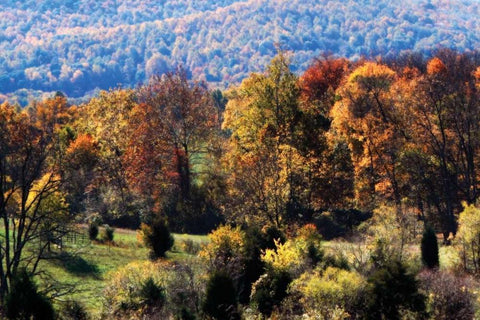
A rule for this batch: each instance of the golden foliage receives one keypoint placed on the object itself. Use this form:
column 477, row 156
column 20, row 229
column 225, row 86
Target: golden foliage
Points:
column 468, row 238
column 224, row 249
column 436, row 66
column 124, row 284
column 326, row 290
column 293, row 255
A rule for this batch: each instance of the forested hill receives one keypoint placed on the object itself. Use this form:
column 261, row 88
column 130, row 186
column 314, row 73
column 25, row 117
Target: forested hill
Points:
column 77, row 46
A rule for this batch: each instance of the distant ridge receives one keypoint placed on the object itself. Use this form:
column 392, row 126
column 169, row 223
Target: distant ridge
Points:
column 78, row 46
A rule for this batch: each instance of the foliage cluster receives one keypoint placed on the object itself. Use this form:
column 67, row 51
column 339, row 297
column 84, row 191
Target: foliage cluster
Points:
column 143, row 289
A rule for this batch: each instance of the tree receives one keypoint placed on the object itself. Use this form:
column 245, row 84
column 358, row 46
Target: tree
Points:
column 79, row 168
column 269, row 291
column 262, row 116
column 96, row 155
column 468, row 236
column 185, row 118
column 429, row 248
column 220, row 297
column 173, row 132
column 25, row 302
column 391, row 289
column 158, row 238
column 320, row 81
column 444, row 116
column 33, row 210
column 329, row 186
column 371, row 121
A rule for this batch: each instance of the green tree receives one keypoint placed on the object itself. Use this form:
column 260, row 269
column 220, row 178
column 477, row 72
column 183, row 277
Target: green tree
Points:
column 262, row 116
column 157, row 237
column 269, row 291
column 25, row 302
column 429, row 248
column 390, row 290
column 220, row 297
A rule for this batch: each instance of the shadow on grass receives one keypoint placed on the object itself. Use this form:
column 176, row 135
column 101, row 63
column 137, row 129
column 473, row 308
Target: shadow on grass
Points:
column 77, row 265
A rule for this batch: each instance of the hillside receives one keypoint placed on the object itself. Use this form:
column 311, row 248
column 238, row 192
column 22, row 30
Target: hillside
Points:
column 80, row 46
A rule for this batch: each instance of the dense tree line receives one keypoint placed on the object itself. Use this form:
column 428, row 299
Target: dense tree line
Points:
column 345, row 137
column 365, row 147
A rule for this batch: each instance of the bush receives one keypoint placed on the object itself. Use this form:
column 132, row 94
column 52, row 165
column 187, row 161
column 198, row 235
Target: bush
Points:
column 157, row 238
column 298, row 254
column 224, row 251
column 429, row 248
column 24, row 302
column 270, row 290
column 164, row 289
column 449, row 297
column 468, row 235
column 132, row 286
column 92, row 231
column 322, row 291
column 151, row 293
column 185, row 287
column 391, row 290
column 189, row 246
column 272, row 234
column 107, row 233
column 220, row 299
column 339, row 223
column 387, row 234
column 73, row 310
column 254, row 242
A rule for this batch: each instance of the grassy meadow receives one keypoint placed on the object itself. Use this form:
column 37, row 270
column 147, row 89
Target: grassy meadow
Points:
column 86, row 263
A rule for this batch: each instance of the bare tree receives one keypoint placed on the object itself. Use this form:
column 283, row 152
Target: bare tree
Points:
column 33, row 212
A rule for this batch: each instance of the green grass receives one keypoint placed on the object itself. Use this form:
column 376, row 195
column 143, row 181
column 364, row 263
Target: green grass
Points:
column 86, row 264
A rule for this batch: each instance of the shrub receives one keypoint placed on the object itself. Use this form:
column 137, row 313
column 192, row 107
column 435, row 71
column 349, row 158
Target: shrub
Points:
column 298, row 254
column 339, row 223
column 73, row 310
column 391, row 289
column 24, row 301
column 157, row 237
column 189, row 246
column 429, row 248
column 92, row 231
column 128, row 287
column 220, row 299
column 449, row 296
column 387, row 234
column 270, row 290
column 272, row 234
column 185, row 286
column 107, row 233
column 323, row 291
column 164, row 289
column 468, row 237
column 254, row 242
column 151, row 293
column 224, row 251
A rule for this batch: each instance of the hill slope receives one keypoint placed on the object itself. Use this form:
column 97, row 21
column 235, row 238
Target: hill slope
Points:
column 79, row 45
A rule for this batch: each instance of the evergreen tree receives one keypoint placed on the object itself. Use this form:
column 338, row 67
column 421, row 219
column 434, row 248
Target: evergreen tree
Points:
column 158, row 238
column 429, row 248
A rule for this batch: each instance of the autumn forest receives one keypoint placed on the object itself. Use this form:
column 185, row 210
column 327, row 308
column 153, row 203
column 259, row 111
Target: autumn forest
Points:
column 347, row 191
